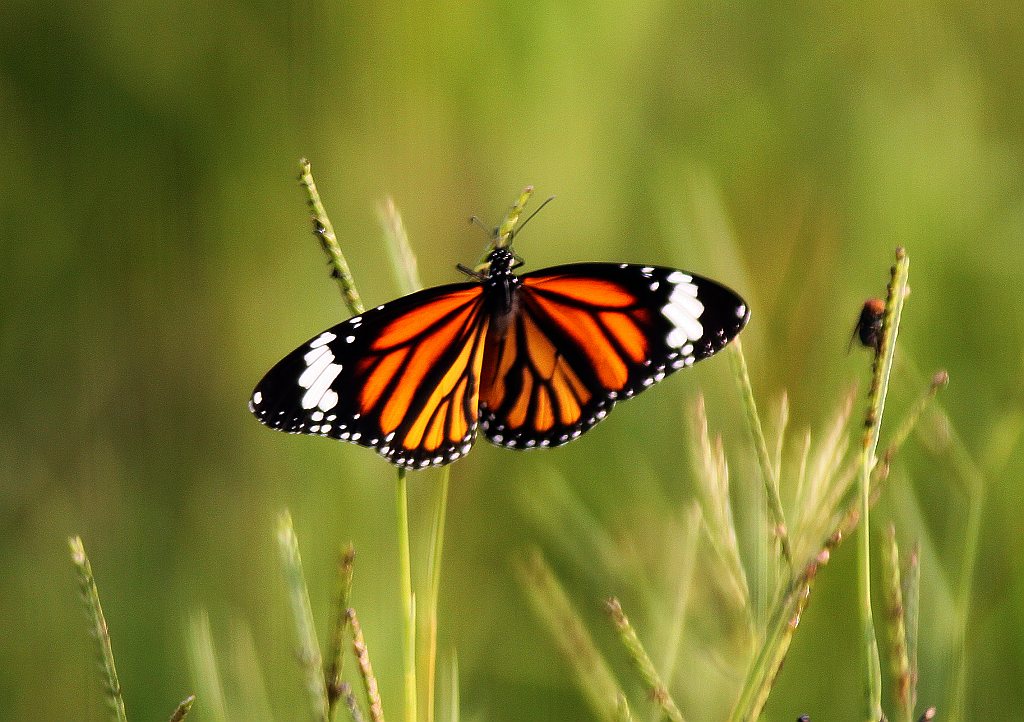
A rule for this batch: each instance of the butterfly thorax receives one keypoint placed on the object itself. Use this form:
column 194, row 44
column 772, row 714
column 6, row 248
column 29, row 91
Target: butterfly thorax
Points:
column 500, row 285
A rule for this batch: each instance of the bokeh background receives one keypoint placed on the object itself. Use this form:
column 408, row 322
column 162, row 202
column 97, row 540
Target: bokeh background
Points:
column 156, row 260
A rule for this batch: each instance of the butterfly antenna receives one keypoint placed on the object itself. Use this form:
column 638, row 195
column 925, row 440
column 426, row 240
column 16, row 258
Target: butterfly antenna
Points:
column 529, row 218
column 475, row 221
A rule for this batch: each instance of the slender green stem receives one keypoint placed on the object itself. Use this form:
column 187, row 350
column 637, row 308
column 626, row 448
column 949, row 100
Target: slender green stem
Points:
column 408, row 611
column 911, row 591
column 876, row 406
column 771, row 480
column 403, row 260
column 336, row 657
column 205, row 670
column 434, row 590
column 453, row 691
column 91, row 599
column 897, row 626
column 786, row 614
column 329, row 241
column 655, row 686
column 974, row 481
column 779, row 632
column 365, row 668
column 552, row 605
column 309, row 649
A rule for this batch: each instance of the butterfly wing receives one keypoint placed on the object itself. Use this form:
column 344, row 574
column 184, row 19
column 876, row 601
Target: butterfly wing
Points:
column 403, row 378
column 583, row 336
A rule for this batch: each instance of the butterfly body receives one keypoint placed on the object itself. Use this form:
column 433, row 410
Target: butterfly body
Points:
column 531, row 361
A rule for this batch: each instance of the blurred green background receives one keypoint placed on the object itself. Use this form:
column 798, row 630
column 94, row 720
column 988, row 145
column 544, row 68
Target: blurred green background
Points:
column 156, row 260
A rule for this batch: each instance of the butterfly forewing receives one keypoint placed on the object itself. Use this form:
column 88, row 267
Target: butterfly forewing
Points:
column 403, row 378
column 586, row 335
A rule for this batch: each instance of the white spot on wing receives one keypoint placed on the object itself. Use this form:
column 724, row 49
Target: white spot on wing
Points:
column 325, row 337
column 257, row 398
column 683, row 310
column 328, row 401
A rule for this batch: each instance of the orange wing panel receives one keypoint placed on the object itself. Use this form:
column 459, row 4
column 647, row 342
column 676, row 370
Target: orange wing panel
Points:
column 584, row 289
column 406, row 328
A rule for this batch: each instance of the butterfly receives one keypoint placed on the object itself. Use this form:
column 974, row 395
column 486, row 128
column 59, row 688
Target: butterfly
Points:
column 531, row 361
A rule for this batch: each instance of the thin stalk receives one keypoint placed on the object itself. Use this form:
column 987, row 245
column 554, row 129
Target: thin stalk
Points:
column 779, row 631
column 655, row 686
column 205, row 670
column 771, row 480
column 552, row 605
column 408, row 610
column 879, row 386
column 434, row 590
column 902, row 677
column 911, row 589
column 454, row 707
column 100, row 632
column 324, row 232
column 782, row 624
column 403, row 260
column 336, row 656
column 365, row 668
column 308, row 650
column 974, row 480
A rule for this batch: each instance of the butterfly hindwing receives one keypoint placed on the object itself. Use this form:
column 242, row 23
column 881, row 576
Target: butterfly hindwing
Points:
column 586, row 335
column 403, row 378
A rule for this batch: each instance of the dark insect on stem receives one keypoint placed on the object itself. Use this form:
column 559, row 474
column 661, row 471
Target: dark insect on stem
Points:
column 869, row 325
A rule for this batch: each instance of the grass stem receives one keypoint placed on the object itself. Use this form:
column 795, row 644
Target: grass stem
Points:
column 308, row 649
column 336, row 656
column 100, row 632
column 655, row 687
column 434, row 590
column 879, row 386
column 552, row 605
column 324, row 232
column 365, row 668
column 403, row 260
column 771, row 479
column 408, row 602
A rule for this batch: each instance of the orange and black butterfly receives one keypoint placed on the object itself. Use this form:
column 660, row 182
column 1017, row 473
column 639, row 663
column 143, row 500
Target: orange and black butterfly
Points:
column 532, row 360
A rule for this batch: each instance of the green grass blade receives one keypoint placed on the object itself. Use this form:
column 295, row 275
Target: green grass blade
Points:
column 781, row 627
column 403, row 260
column 771, row 480
column 205, row 669
column 551, row 603
column 641, row 660
column 452, row 712
column 436, row 551
column 91, row 600
column 407, row 599
column 336, row 655
column 309, row 654
column 911, row 589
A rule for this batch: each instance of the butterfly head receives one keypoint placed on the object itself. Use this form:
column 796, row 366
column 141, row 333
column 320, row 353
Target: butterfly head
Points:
column 501, row 262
